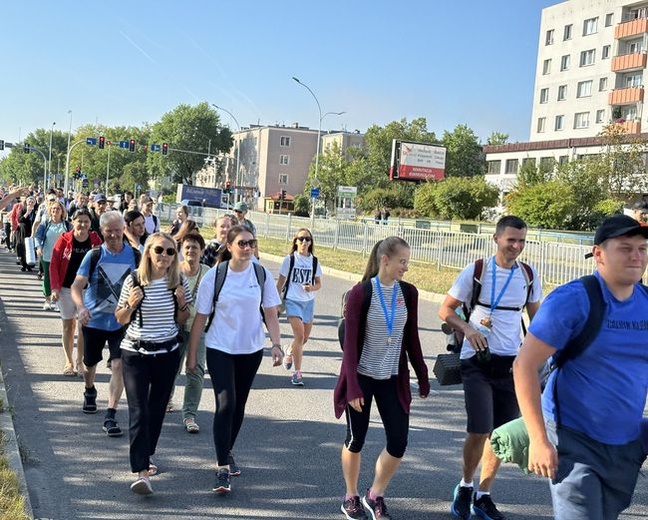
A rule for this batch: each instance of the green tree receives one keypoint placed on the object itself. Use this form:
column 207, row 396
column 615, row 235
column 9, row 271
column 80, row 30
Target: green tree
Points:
column 547, row 205
column 622, row 163
column 332, row 172
column 497, row 138
column 396, row 195
column 425, row 202
column 302, row 206
column 464, row 156
column 456, row 197
column 188, row 128
column 531, row 173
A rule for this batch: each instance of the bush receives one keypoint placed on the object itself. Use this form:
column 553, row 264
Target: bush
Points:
column 463, row 198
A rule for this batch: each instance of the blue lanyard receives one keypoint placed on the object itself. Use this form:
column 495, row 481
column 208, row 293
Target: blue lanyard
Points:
column 389, row 319
column 495, row 301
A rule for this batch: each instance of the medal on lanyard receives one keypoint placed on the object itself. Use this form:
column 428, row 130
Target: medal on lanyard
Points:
column 389, row 318
column 488, row 321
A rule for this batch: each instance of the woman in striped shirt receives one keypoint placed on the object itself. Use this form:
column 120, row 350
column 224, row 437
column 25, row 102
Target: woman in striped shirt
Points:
column 381, row 334
column 154, row 303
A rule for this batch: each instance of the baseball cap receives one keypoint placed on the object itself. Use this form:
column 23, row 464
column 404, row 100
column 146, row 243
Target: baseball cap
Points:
column 617, row 226
column 100, row 197
column 241, row 206
column 642, row 206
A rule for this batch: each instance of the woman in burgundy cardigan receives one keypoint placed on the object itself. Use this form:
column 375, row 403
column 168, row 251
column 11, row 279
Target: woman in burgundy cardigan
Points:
column 381, row 334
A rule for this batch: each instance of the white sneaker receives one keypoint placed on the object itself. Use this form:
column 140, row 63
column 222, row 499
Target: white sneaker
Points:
column 47, row 305
column 142, row 486
column 55, row 307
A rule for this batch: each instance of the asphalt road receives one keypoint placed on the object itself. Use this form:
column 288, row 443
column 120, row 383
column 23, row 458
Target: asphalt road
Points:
column 288, row 448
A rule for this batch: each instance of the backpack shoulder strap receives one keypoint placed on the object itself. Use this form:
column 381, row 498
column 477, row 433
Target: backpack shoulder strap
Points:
column 219, row 281
column 137, row 255
column 528, row 277
column 477, row 282
column 135, row 281
column 576, row 346
column 315, row 264
column 260, row 274
column 95, row 256
column 284, row 289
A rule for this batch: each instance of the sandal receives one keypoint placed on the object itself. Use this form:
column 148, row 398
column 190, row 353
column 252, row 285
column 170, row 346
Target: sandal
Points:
column 111, row 427
column 68, row 371
column 191, row 425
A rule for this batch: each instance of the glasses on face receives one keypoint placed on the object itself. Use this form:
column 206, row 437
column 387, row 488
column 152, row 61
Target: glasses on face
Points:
column 304, row 239
column 238, row 211
column 51, row 200
column 170, row 251
column 252, row 243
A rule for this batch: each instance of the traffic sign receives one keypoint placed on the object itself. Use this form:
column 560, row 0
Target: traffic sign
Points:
column 156, row 147
column 124, row 144
column 92, row 141
column 315, row 192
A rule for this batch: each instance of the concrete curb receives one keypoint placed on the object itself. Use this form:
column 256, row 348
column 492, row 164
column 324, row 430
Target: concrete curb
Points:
column 12, row 449
column 423, row 295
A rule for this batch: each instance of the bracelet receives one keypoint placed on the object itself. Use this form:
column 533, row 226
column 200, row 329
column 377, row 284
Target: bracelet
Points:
column 186, row 307
column 275, row 345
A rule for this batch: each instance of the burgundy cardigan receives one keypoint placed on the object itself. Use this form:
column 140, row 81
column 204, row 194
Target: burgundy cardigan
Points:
column 347, row 387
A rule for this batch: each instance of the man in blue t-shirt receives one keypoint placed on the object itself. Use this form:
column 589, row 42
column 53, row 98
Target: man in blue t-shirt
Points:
column 96, row 312
column 588, row 442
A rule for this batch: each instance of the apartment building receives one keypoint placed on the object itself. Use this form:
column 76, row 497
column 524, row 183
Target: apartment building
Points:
column 266, row 159
column 590, row 72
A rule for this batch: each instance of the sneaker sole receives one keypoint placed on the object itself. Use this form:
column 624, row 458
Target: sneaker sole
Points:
column 300, row 383
column 90, row 410
column 454, row 513
column 350, row 517
column 221, row 490
column 141, row 488
column 113, row 433
column 478, row 513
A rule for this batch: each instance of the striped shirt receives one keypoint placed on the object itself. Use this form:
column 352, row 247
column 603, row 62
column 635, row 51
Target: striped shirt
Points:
column 379, row 359
column 158, row 309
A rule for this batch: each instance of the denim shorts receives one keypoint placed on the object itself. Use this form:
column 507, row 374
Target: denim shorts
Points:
column 302, row 310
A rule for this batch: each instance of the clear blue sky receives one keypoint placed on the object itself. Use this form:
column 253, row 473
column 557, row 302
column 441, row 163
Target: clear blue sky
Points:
column 124, row 63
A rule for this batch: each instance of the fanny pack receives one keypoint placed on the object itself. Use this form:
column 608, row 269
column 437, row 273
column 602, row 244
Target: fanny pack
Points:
column 151, row 346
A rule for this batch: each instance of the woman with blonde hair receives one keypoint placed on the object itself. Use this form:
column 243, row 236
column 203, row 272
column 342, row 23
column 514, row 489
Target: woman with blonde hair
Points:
column 153, row 306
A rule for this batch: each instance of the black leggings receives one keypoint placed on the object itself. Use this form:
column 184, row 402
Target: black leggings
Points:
column 232, row 377
column 394, row 419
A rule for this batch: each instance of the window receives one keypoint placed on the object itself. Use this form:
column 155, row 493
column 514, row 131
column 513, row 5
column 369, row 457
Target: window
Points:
column 600, row 115
column 634, row 80
column 602, row 84
column 541, row 124
column 549, row 39
column 547, row 163
column 584, row 89
column 609, row 19
column 544, row 95
column 284, row 159
column 590, row 26
column 562, row 92
column 634, row 46
column 283, row 178
column 284, row 140
column 567, row 32
column 587, row 58
column 559, row 123
column 528, row 160
column 581, row 120
column 563, row 159
column 546, row 66
column 511, row 166
column 605, row 54
column 564, row 62
column 494, row 167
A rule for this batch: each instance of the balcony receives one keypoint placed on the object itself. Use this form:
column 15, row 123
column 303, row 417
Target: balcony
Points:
column 631, row 28
column 629, row 62
column 626, row 96
column 631, row 127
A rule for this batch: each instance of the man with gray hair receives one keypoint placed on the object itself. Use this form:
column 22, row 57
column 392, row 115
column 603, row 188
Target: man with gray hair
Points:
column 103, row 270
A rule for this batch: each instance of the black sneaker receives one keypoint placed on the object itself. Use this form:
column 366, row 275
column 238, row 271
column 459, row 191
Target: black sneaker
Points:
column 485, row 508
column 111, row 427
column 461, row 502
column 234, row 469
column 353, row 510
column 377, row 508
column 222, row 485
column 90, row 400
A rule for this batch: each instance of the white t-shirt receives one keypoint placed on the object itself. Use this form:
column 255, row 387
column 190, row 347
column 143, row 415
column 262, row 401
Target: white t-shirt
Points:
column 505, row 336
column 151, row 223
column 237, row 327
column 301, row 274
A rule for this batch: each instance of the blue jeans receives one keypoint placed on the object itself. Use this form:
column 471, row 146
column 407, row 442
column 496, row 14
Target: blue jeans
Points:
column 594, row 481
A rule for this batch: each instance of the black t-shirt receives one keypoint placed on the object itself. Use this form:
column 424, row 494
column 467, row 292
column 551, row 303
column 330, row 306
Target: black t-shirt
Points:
column 79, row 250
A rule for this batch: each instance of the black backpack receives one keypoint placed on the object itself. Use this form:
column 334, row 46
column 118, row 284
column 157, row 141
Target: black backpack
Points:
column 284, row 289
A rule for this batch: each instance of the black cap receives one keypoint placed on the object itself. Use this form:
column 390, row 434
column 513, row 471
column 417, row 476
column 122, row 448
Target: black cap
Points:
column 618, row 226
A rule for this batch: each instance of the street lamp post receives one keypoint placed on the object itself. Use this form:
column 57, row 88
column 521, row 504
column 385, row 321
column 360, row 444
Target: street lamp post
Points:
column 67, row 157
column 49, row 173
column 238, row 151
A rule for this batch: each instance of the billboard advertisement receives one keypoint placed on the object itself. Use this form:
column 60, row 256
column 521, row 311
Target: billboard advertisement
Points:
column 417, row 161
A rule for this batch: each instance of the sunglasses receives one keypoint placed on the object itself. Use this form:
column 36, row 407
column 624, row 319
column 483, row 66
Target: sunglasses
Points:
column 237, row 211
column 245, row 243
column 170, row 251
column 303, row 239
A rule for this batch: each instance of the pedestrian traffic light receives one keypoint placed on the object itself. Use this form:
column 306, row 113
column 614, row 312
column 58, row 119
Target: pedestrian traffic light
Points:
column 102, row 142
column 26, row 148
column 1, row 144
column 165, row 148
column 131, row 145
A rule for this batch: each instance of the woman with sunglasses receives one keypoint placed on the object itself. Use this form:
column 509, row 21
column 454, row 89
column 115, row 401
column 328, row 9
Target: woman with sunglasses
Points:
column 153, row 306
column 46, row 236
column 300, row 276
column 234, row 339
column 68, row 252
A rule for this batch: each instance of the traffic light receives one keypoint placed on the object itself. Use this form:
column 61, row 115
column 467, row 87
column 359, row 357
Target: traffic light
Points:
column 131, row 145
column 282, row 194
column 1, row 144
column 26, row 148
column 227, row 187
column 165, row 148
column 102, row 142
